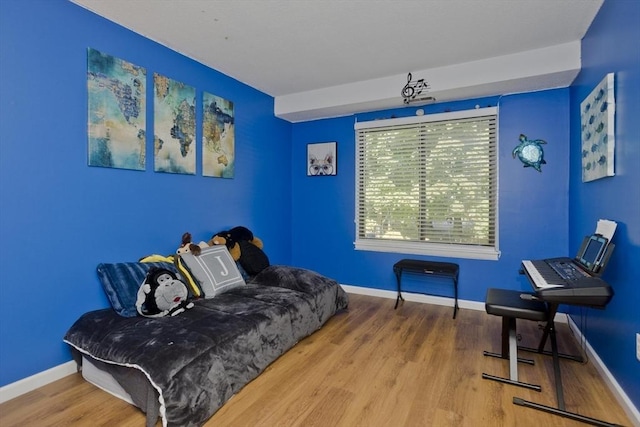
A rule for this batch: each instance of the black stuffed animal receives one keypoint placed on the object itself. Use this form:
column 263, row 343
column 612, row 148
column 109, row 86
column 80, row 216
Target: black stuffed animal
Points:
column 244, row 248
column 240, row 233
column 231, row 238
column 252, row 258
column 162, row 294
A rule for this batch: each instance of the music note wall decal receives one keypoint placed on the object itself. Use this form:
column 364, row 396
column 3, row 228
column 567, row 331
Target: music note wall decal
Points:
column 412, row 89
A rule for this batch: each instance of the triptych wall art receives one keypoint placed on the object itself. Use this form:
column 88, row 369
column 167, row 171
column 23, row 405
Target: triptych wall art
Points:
column 218, row 136
column 597, row 119
column 117, row 118
column 117, row 121
column 174, row 134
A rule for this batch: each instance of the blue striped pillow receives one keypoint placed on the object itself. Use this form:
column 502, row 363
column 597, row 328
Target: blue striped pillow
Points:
column 121, row 282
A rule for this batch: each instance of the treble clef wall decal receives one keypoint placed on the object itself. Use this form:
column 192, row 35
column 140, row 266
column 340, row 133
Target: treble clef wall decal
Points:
column 411, row 90
column 408, row 91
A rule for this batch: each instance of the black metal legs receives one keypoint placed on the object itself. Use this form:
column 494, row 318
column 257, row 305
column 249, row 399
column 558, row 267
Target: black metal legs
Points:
column 550, row 331
column 563, row 413
column 428, row 268
column 510, row 352
column 398, row 273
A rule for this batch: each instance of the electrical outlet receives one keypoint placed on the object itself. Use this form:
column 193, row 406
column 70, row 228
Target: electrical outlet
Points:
column 638, row 347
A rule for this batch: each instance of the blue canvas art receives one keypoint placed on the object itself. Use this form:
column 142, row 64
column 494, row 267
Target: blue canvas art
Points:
column 174, row 126
column 597, row 118
column 218, row 137
column 117, row 122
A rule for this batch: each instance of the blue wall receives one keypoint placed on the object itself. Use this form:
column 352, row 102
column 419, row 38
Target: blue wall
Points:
column 59, row 217
column 541, row 215
column 531, row 204
column 612, row 46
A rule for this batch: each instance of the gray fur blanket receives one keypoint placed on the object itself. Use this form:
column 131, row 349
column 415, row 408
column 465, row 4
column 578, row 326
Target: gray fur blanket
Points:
column 200, row 358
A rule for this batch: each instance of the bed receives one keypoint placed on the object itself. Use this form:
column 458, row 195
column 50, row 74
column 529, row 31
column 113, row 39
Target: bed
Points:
column 184, row 368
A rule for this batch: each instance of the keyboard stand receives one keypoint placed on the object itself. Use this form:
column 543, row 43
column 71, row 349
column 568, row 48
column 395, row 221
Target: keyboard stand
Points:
column 550, row 331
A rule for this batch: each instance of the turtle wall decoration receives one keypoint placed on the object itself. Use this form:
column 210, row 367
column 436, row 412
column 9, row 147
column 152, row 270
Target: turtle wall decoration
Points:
column 530, row 152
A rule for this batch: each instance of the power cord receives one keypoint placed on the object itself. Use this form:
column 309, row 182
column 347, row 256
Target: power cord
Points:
column 582, row 339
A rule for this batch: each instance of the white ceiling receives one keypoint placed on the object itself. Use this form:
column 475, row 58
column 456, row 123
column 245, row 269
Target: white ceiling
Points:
column 301, row 50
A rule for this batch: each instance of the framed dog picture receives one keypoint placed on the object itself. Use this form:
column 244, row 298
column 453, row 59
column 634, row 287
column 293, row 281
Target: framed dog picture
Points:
column 322, row 159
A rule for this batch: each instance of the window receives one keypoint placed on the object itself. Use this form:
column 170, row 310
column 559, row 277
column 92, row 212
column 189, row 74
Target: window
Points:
column 428, row 185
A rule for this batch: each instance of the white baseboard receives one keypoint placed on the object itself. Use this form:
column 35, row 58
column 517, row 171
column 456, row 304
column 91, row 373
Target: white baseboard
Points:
column 427, row 299
column 409, row 296
column 621, row 396
column 33, row 382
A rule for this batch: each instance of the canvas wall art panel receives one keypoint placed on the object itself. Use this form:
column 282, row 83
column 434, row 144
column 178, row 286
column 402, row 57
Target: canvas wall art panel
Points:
column 116, row 107
column 174, row 126
column 597, row 119
column 322, row 159
column 218, row 137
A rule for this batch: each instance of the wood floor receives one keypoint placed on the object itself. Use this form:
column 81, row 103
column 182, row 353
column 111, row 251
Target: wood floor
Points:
column 369, row 366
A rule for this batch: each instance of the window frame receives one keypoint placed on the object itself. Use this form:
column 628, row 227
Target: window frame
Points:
column 450, row 250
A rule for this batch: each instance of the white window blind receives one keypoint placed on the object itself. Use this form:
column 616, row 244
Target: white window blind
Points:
column 428, row 184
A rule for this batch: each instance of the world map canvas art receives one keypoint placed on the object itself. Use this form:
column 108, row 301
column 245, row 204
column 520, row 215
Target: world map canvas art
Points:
column 218, row 137
column 116, row 101
column 174, row 126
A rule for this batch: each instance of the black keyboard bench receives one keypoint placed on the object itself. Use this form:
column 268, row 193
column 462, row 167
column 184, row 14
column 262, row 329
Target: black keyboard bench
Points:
column 432, row 268
column 512, row 305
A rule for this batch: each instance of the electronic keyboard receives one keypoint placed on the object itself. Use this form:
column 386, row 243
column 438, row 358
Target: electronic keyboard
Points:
column 550, row 286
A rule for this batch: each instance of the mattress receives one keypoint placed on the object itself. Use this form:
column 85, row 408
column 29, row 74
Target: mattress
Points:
column 103, row 379
column 126, row 383
column 184, row 368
